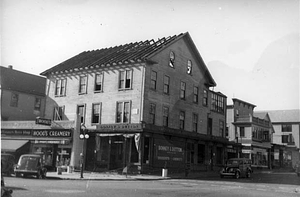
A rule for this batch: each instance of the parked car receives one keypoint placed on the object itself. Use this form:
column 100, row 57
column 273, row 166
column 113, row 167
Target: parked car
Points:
column 8, row 162
column 297, row 168
column 31, row 164
column 237, row 167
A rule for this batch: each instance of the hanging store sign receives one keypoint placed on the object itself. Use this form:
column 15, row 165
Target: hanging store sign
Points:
column 43, row 121
column 119, row 127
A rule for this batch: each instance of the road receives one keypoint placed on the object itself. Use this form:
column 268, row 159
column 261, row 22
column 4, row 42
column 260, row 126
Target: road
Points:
column 264, row 185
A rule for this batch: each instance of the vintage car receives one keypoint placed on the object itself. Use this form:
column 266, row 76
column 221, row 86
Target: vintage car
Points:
column 237, row 167
column 31, row 164
column 7, row 163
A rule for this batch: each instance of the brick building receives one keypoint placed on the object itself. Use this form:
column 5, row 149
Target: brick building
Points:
column 145, row 105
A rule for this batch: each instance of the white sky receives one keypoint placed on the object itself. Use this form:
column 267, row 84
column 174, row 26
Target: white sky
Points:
column 39, row 34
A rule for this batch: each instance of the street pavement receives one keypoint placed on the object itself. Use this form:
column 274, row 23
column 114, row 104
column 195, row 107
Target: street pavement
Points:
column 117, row 176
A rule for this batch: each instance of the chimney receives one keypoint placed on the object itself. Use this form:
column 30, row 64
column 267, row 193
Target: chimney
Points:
column 10, row 66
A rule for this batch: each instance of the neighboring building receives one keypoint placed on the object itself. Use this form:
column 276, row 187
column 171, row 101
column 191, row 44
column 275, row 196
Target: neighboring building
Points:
column 286, row 138
column 253, row 130
column 22, row 95
column 146, row 105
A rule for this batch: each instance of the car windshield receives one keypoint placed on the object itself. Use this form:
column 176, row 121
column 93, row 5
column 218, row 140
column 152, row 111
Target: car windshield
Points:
column 28, row 159
column 233, row 162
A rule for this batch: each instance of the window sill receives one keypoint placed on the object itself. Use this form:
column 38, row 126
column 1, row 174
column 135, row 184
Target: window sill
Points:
column 98, row 91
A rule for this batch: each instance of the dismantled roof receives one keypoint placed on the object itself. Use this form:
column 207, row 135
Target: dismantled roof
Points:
column 136, row 52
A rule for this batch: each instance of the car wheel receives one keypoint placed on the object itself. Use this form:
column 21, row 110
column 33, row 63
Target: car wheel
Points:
column 237, row 175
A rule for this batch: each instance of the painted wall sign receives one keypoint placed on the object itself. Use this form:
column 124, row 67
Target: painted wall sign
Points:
column 118, row 127
column 169, row 150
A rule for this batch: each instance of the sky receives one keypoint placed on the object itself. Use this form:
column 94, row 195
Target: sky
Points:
column 251, row 47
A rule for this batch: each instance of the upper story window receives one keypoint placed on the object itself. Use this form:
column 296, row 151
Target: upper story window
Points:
column 182, row 89
column 123, row 112
column 81, row 113
column 83, row 84
column 153, row 79
column 221, row 128
column 152, row 113
column 189, row 67
column 286, row 127
column 37, row 104
column 196, row 96
column 195, row 122
column 58, row 113
column 166, row 84
column 165, row 116
column 181, row 120
column 60, row 87
column 172, row 59
column 14, row 100
column 242, row 131
column 96, row 113
column 217, row 103
column 98, row 82
column 205, row 97
column 125, row 79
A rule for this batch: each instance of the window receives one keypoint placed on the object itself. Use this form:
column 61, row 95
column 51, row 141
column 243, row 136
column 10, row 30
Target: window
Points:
column 37, row 104
column 153, row 80
column 286, row 128
column 289, row 139
column 60, row 87
column 172, row 59
column 221, row 134
column 58, row 113
column 166, row 84
column 165, row 116
column 181, row 119
column 217, row 103
column 98, row 82
column 189, row 67
column 201, row 153
column 96, row 113
column 123, row 112
column 205, row 97
column 81, row 112
column 284, row 138
column 125, row 79
column 242, row 131
column 152, row 113
column 14, row 100
column 82, row 84
column 195, row 98
column 182, row 89
column 195, row 122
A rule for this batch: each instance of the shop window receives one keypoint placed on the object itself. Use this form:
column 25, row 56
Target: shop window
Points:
column 201, row 153
column 190, row 153
column 58, row 113
column 96, row 113
column 195, row 122
column 166, row 84
column 14, row 100
column 125, row 79
column 152, row 114
column 165, row 116
column 83, row 84
column 37, row 104
column 181, row 120
column 182, row 90
column 98, row 82
column 146, row 150
column 219, row 155
column 123, row 112
column 134, row 153
column 60, row 87
column 153, row 80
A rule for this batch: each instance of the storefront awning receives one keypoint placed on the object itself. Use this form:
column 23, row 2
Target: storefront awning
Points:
column 12, row 145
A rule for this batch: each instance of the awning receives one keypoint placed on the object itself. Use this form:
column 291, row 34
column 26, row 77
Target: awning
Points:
column 12, row 145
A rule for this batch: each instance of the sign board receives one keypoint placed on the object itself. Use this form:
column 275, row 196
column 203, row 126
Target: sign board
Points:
column 119, row 127
column 43, row 121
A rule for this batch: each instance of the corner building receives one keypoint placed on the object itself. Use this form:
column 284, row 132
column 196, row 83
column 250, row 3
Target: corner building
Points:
column 145, row 105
